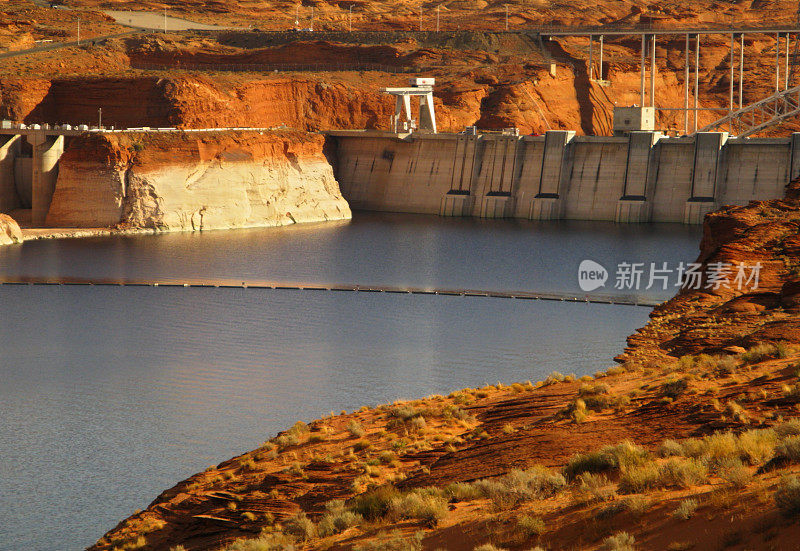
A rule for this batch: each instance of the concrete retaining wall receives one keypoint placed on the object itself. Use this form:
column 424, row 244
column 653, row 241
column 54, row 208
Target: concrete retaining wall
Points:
column 642, row 177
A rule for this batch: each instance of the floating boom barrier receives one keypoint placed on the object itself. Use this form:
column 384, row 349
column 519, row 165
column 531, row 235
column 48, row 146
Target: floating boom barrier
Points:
column 628, row 300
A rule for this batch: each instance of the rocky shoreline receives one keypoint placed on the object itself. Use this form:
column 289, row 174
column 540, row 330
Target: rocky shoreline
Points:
column 667, row 449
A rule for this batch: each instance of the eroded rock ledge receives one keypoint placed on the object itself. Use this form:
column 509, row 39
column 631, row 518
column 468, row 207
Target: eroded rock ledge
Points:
column 195, row 181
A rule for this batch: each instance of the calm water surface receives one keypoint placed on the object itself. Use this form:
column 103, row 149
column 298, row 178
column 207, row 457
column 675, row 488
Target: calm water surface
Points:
column 109, row 395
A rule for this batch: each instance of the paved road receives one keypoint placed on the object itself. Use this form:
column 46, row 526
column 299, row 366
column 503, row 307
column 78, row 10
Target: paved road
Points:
column 57, row 45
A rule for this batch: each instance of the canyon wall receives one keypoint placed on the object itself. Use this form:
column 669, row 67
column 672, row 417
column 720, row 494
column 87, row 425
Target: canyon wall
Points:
column 195, row 181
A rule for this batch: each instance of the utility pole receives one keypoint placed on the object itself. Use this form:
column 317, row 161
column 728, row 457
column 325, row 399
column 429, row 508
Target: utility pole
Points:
column 420, row 18
column 312, row 18
column 100, row 117
column 437, row 18
column 165, row 20
column 297, row 16
column 79, row 33
column 506, row 17
column 350, row 20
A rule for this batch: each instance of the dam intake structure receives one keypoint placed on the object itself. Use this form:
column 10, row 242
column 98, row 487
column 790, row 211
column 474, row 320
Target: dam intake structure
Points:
column 639, row 177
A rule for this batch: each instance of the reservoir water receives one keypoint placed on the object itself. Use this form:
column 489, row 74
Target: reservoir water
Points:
column 109, row 395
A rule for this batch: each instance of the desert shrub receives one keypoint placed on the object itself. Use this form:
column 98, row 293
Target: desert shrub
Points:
column 417, row 423
column 639, row 478
column 713, row 448
column 621, row 541
column 530, row 527
column 430, row 509
column 554, row 377
column 789, row 449
column 605, row 459
column 594, row 390
column 355, row 429
column 337, row 518
column 591, row 487
column 782, row 350
column 670, row 448
column 488, row 547
column 789, row 428
column 735, row 410
column 386, row 457
column 361, row 445
column 673, row 389
column 374, row 504
column 787, row 496
column 685, row 509
column 275, row 541
column 463, row 491
column 727, row 365
column 392, row 542
column 300, row 526
column 758, row 353
column 757, row 446
column 734, row 472
column 792, row 392
column 636, row 505
column 455, row 412
column 404, row 413
column 682, row 473
column 522, row 485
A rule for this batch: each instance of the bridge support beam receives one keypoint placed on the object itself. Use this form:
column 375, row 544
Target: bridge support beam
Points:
column 9, row 149
column 47, row 151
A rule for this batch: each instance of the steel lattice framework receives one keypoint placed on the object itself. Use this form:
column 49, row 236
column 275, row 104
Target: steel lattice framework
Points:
column 760, row 115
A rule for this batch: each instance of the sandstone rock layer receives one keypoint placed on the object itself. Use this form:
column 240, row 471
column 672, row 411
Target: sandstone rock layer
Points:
column 195, row 181
column 9, row 230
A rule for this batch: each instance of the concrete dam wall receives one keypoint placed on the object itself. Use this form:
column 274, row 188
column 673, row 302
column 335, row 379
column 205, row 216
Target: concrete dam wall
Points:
column 640, row 177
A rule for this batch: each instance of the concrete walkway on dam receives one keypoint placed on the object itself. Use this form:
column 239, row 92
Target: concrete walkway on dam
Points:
column 627, row 300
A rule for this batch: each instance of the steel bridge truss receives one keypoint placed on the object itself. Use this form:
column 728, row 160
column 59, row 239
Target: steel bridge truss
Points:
column 758, row 116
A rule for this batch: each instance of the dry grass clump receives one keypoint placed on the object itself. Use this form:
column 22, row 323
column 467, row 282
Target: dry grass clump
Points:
column 787, row 496
column 553, row 378
column 530, row 527
column 621, row 541
column 300, row 526
column 337, row 518
column 734, row 472
column 682, row 473
column 355, row 429
column 670, row 448
column 265, row 542
column 685, row 509
column 591, row 488
column 607, row 458
column 673, row 389
column 760, row 352
column 520, row 486
column 392, row 542
column 420, row 505
column 789, row 449
column 292, row 437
